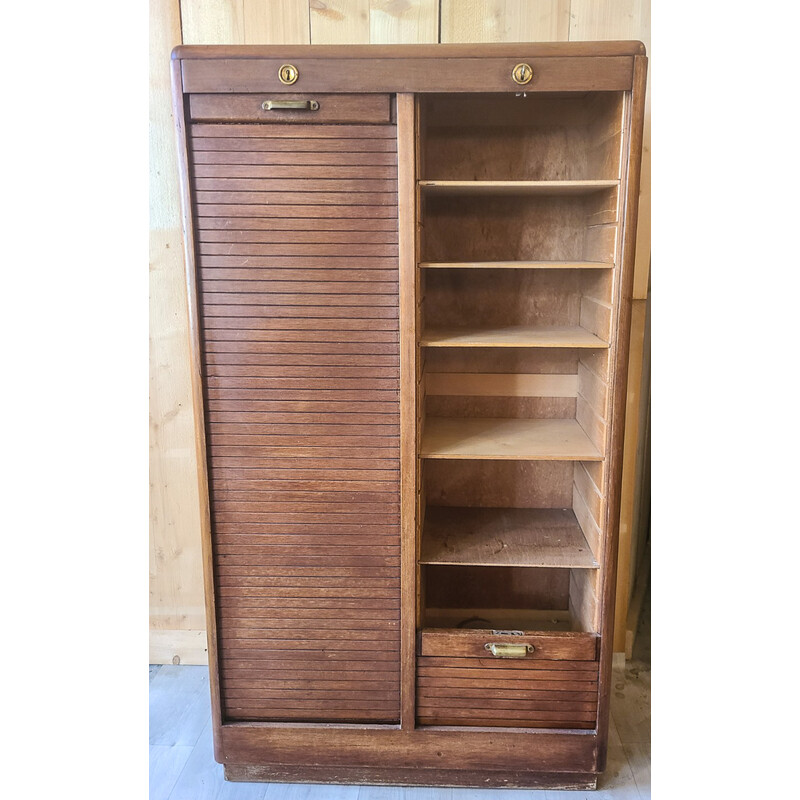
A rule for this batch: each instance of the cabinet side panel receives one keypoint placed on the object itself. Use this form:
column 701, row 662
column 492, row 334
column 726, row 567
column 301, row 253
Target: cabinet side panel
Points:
column 299, row 343
column 618, row 393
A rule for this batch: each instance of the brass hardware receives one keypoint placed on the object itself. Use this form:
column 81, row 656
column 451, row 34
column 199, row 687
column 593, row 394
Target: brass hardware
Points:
column 508, row 650
column 522, row 74
column 299, row 105
column 288, row 74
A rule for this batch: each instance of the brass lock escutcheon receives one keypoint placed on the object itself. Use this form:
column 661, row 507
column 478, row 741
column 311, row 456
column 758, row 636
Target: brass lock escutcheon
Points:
column 508, row 650
column 522, row 74
column 288, row 74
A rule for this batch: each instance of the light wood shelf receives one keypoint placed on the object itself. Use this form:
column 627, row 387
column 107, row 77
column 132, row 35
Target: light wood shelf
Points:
column 516, row 265
column 516, row 187
column 505, row 537
column 513, row 336
column 507, row 439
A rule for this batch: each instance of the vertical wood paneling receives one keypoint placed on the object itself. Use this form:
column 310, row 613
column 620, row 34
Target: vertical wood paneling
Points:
column 505, row 20
column 176, row 585
column 403, row 21
column 339, row 21
column 592, row 20
column 212, row 21
column 374, row 21
column 268, row 22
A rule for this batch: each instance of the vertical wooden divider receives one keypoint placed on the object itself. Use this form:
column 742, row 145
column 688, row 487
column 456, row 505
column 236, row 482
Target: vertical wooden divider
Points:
column 406, row 195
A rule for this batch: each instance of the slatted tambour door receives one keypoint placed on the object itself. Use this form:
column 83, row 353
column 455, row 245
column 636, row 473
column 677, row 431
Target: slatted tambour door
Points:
column 296, row 228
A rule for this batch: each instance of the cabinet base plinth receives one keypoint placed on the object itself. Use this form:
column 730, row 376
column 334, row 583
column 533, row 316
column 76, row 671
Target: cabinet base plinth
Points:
column 291, row 773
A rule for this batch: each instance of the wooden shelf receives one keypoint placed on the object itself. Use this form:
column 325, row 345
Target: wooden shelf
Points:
column 507, row 439
column 516, row 187
column 505, row 537
column 516, row 265
column 528, row 620
column 515, row 336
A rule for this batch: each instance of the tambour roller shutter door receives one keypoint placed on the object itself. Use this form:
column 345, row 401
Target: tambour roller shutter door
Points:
column 297, row 270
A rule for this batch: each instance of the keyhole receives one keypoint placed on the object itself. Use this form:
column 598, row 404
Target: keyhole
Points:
column 287, row 74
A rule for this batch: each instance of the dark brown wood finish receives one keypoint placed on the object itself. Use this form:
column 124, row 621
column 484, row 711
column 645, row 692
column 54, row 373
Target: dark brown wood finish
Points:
column 500, row 779
column 552, row 74
column 285, row 547
column 307, row 303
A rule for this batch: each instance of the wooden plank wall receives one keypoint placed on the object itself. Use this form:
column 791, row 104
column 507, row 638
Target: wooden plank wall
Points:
column 177, row 621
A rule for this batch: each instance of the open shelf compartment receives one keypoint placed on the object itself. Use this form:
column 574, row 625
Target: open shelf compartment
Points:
column 517, row 308
column 523, row 537
column 547, row 404
column 543, row 137
column 514, row 543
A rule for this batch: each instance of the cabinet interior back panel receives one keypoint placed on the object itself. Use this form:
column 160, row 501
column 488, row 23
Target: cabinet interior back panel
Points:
column 297, row 274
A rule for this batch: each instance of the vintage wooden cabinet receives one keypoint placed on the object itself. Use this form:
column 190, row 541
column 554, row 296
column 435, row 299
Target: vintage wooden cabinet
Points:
column 409, row 282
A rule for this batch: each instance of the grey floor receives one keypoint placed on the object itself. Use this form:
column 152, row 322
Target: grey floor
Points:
column 182, row 766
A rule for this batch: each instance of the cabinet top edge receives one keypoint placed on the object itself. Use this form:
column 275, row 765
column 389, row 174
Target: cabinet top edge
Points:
column 367, row 51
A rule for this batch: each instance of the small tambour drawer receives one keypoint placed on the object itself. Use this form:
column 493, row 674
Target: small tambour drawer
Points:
column 489, row 679
column 278, row 107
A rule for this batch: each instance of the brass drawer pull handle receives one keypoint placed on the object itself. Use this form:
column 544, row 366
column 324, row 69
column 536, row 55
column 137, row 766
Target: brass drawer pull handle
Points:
column 290, row 105
column 508, row 650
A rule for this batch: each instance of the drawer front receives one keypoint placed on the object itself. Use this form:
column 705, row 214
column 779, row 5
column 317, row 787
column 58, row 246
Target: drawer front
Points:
column 554, row 685
column 472, row 644
column 365, row 108
column 296, row 265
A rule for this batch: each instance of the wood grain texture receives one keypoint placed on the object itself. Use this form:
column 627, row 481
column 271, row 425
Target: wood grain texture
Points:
column 628, row 493
column 405, row 776
column 504, row 537
column 516, row 187
column 286, row 22
column 212, row 21
column 442, row 699
column 551, row 651
column 250, row 583
column 513, row 336
column 618, row 383
column 301, row 544
column 502, row 50
column 535, row 439
column 592, row 20
column 497, row 384
column 204, row 778
column 375, row 73
column 179, row 110
column 374, row 21
column 176, row 591
column 373, row 108
column 529, row 751
column 403, row 21
column 515, row 265
column 505, row 20
column 406, row 147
